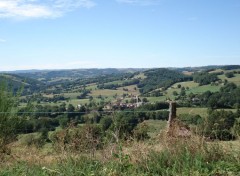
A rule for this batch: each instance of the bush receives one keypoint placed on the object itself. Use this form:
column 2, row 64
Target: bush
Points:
column 10, row 124
column 141, row 131
column 218, row 125
column 191, row 119
column 106, row 122
column 33, row 139
column 87, row 138
column 229, row 74
column 63, row 121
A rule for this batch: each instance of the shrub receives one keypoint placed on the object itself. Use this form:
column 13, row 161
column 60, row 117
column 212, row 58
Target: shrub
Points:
column 141, row 131
column 106, row 122
column 229, row 74
column 218, row 125
column 86, row 138
column 10, row 124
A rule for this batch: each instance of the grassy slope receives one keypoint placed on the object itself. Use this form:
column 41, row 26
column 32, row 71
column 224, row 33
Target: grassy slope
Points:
column 160, row 156
column 235, row 79
column 195, row 88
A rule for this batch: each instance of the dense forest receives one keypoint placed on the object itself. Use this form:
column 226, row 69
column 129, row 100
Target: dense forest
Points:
column 161, row 78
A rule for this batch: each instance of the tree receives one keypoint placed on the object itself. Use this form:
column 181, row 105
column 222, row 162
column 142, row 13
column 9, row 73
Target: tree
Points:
column 106, row 122
column 10, row 124
column 175, row 93
column 219, row 124
column 183, row 92
column 70, row 111
column 144, row 100
column 141, row 131
column 229, row 74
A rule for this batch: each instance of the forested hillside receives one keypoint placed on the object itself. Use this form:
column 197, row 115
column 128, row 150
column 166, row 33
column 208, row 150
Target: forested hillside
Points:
column 17, row 82
column 161, row 78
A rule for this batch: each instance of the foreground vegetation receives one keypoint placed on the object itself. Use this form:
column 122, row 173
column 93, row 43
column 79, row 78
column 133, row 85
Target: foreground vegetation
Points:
column 117, row 124
column 166, row 156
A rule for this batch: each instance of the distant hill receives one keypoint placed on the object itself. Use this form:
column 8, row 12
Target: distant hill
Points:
column 51, row 75
column 16, row 82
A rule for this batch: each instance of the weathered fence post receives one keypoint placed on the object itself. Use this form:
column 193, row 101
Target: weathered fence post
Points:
column 172, row 114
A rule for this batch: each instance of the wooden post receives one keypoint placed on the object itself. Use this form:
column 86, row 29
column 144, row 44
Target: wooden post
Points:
column 172, row 113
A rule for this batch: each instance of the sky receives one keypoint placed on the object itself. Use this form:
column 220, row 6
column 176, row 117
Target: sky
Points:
column 70, row 34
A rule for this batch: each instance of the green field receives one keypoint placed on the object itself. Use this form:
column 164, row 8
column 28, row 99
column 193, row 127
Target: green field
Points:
column 114, row 82
column 71, row 95
column 202, row 89
column 91, row 86
column 197, row 111
column 141, row 76
column 192, row 111
column 76, row 102
column 156, row 99
column 193, row 88
column 131, row 89
column 155, row 127
column 235, row 79
column 106, row 92
column 189, row 84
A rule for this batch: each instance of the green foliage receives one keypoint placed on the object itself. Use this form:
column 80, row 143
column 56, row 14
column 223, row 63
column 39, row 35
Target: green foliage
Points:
column 236, row 128
column 125, row 122
column 106, row 122
column 204, row 78
column 87, row 138
column 218, row 125
column 63, row 121
column 229, row 74
column 141, row 131
column 227, row 97
column 160, row 78
column 17, row 82
column 191, row 119
column 34, row 139
column 231, row 67
column 177, row 157
column 10, row 124
column 175, row 93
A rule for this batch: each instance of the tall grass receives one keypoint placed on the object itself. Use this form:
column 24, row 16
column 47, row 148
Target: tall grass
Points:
column 178, row 156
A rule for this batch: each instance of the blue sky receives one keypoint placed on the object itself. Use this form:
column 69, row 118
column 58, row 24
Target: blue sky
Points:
column 58, row 34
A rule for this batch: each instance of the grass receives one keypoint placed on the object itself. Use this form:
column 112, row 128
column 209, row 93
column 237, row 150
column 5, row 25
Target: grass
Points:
column 71, row 95
column 197, row 111
column 235, row 79
column 174, row 156
column 76, row 102
column 192, row 111
column 106, row 92
column 187, row 73
column 114, row 82
column 91, row 86
column 202, row 89
column 131, row 89
column 155, row 127
column 193, row 88
column 217, row 71
column 141, row 76
column 156, row 99
column 189, row 84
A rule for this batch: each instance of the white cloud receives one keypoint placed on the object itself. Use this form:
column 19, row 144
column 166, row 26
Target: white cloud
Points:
column 40, row 8
column 140, row 2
